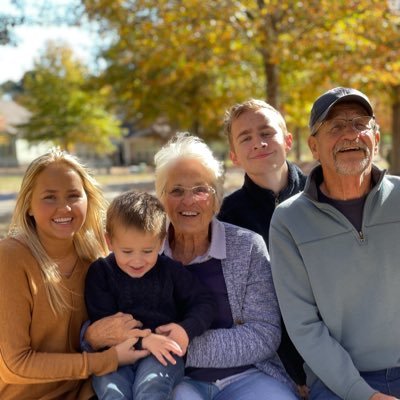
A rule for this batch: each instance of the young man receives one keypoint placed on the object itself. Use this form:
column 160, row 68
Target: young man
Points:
column 259, row 142
column 135, row 279
column 335, row 257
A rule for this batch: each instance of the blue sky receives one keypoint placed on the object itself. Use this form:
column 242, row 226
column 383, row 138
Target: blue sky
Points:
column 31, row 40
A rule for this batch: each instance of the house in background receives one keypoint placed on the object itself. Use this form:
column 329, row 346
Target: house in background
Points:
column 136, row 149
column 15, row 151
column 139, row 146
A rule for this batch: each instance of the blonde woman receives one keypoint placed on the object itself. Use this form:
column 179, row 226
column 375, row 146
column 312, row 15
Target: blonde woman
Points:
column 56, row 232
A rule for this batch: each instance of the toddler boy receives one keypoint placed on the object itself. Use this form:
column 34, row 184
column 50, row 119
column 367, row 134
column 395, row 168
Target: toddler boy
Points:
column 154, row 289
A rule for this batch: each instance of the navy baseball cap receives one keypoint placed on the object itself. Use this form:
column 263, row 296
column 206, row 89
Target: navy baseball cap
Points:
column 324, row 104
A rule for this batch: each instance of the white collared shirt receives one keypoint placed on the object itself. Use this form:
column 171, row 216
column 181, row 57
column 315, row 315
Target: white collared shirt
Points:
column 217, row 248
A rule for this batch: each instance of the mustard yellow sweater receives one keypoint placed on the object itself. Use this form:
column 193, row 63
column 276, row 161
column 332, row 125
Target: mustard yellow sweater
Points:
column 39, row 351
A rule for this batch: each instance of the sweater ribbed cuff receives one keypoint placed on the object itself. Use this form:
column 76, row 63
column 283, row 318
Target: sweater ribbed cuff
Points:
column 103, row 362
column 360, row 391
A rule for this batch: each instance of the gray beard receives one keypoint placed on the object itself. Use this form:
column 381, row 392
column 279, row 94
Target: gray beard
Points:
column 353, row 168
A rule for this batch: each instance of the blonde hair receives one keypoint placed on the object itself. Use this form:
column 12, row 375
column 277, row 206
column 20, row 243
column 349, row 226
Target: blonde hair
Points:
column 89, row 241
column 186, row 146
column 138, row 210
column 236, row 110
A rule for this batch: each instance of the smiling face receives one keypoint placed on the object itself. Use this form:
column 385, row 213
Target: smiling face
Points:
column 347, row 152
column 135, row 251
column 59, row 203
column 258, row 143
column 188, row 214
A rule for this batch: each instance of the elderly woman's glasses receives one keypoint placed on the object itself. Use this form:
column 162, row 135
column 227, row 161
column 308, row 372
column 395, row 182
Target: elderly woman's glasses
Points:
column 200, row 192
column 337, row 126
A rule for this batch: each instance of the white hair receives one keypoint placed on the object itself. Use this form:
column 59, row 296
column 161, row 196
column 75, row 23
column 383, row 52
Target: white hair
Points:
column 186, row 146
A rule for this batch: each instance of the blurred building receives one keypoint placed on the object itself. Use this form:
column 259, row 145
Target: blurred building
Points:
column 14, row 149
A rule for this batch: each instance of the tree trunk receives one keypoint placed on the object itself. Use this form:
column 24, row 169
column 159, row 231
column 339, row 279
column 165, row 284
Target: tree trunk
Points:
column 297, row 144
column 271, row 83
column 395, row 152
column 196, row 127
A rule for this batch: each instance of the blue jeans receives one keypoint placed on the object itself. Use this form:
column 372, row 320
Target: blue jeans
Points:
column 253, row 386
column 386, row 381
column 147, row 379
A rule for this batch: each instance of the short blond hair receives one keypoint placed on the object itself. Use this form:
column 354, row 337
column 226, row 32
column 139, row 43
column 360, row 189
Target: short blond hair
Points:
column 238, row 109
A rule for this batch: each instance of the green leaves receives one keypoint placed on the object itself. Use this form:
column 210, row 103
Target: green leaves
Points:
column 64, row 109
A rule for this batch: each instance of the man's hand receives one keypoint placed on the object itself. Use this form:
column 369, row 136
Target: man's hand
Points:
column 303, row 391
column 113, row 330
column 161, row 347
column 381, row 396
column 176, row 333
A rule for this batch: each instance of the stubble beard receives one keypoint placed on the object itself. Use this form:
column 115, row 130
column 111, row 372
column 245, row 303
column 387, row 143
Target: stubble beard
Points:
column 353, row 167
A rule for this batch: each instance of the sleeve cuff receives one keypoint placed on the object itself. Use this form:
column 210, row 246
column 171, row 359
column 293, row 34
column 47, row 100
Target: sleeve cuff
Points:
column 360, row 391
column 85, row 346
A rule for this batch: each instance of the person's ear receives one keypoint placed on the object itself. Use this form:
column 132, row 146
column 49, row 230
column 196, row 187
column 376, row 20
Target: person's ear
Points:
column 288, row 142
column 313, row 145
column 377, row 136
column 234, row 159
column 108, row 241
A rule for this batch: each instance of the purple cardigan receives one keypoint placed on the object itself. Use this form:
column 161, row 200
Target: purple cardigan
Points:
column 256, row 334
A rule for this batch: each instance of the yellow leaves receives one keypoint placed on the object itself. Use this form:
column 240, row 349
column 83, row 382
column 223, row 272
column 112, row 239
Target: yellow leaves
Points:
column 202, row 55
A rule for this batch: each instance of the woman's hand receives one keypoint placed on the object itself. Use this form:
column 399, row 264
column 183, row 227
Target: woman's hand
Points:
column 127, row 354
column 113, row 330
column 176, row 333
column 161, row 347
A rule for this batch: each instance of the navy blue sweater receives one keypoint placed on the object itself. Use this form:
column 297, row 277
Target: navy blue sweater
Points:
column 167, row 293
column 252, row 207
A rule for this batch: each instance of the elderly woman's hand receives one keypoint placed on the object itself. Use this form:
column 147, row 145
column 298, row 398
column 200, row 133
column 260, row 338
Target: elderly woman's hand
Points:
column 113, row 330
column 176, row 333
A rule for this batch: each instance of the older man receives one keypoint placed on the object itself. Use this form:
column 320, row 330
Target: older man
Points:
column 335, row 254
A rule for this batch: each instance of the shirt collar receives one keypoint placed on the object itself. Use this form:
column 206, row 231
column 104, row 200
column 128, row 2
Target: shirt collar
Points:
column 217, row 248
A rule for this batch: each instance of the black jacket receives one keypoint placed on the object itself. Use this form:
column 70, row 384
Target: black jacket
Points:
column 252, row 207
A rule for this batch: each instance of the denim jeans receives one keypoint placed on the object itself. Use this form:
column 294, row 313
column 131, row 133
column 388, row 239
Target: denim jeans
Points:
column 253, row 386
column 386, row 381
column 147, row 379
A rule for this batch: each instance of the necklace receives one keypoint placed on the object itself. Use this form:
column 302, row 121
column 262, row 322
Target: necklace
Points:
column 69, row 271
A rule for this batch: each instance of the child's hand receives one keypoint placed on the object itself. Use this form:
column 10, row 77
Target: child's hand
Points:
column 161, row 347
column 176, row 333
column 127, row 354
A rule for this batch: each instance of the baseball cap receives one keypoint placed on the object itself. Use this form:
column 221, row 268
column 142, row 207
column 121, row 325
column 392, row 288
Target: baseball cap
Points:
column 324, row 104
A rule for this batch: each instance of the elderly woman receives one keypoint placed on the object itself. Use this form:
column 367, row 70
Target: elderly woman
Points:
column 236, row 358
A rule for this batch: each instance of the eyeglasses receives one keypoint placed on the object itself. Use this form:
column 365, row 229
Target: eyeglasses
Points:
column 200, row 192
column 336, row 126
